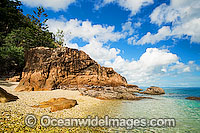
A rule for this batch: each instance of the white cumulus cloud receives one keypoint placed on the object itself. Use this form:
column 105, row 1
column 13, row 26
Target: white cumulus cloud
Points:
column 50, row 4
column 84, row 30
column 127, row 27
column 163, row 14
column 131, row 5
column 162, row 34
column 100, row 53
column 151, row 66
column 180, row 67
column 184, row 15
column 95, row 37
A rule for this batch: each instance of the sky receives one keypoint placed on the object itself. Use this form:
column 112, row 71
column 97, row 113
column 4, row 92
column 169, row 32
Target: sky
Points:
column 150, row 42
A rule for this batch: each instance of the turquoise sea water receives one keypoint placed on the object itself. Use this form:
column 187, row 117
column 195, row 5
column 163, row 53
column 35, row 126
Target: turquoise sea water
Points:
column 170, row 105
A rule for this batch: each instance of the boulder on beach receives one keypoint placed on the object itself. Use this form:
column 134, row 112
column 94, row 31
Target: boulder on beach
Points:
column 153, row 90
column 57, row 104
column 193, row 98
column 6, row 97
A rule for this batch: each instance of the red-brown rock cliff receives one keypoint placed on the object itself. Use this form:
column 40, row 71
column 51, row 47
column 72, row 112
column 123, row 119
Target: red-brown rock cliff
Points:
column 48, row 68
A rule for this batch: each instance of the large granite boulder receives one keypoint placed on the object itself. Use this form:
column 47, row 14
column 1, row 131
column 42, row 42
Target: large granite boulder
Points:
column 6, row 97
column 154, row 91
column 48, row 68
column 57, row 104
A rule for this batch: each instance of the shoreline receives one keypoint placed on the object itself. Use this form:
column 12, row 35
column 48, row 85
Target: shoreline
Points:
column 28, row 99
column 12, row 114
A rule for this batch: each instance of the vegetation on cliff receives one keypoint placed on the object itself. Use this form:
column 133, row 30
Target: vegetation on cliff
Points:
column 18, row 33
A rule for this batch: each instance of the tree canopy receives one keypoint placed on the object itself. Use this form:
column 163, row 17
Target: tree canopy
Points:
column 19, row 33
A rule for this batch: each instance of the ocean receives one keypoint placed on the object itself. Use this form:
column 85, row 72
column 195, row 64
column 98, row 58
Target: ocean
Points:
column 170, row 105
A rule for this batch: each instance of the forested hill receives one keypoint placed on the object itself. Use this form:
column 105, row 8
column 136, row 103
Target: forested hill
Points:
column 18, row 33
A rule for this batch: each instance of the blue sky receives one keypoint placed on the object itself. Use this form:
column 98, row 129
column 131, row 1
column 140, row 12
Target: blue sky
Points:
column 150, row 42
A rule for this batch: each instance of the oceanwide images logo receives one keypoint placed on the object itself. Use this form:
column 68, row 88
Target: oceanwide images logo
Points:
column 128, row 123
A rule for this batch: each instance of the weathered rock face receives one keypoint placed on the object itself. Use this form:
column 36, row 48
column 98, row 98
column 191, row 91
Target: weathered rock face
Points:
column 57, row 104
column 6, row 97
column 154, row 91
column 193, row 98
column 48, row 69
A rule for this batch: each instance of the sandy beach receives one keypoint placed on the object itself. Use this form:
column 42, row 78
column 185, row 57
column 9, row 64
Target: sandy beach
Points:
column 12, row 114
column 28, row 99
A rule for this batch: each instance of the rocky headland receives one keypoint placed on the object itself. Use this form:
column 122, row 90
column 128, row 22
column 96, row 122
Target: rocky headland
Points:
column 71, row 69
column 61, row 68
column 61, row 83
